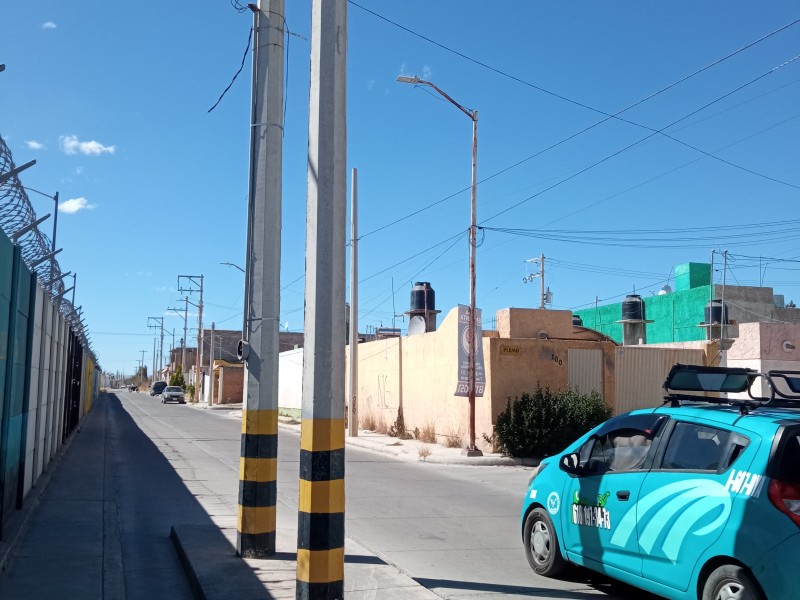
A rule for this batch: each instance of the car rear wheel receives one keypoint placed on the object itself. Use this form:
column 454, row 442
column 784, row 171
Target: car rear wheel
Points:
column 541, row 544
column 731, row 582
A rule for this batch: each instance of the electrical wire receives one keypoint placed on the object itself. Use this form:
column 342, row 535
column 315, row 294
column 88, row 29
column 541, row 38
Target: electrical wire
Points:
column 241, row 66
column 578, row 133
column 561, row 96
column 647, row 137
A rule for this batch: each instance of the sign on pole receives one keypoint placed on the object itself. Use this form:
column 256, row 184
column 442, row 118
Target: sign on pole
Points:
column 462, row 389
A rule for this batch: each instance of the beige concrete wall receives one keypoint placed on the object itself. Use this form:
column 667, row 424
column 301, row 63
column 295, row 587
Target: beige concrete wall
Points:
column 518, row 365
column 427, row 365
column 534, row 323
column 760, row 346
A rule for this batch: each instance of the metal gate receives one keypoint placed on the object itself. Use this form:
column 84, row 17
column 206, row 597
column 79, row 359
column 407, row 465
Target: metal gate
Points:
column 586, row 369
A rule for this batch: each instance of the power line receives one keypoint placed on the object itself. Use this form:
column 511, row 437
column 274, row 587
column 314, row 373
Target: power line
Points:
column 586, row 129
column 647, row 137
column 561, row 96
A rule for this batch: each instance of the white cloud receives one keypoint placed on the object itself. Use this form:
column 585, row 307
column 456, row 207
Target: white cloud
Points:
column 370, row 84
column 49, row 25
column 34, row 145
column 78, row 170
column 426, row 72
column 70, row 144
column 73, row 205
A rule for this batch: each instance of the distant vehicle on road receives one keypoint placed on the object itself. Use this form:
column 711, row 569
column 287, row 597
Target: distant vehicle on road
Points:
column 695, row 500
column 132, row 388
column 173, row 393
column 157, row 388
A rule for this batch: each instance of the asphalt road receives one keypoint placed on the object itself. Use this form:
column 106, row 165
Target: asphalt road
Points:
column 454, row 529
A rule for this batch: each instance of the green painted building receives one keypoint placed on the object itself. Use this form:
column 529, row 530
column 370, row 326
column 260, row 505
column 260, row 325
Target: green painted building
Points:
column 676, row 315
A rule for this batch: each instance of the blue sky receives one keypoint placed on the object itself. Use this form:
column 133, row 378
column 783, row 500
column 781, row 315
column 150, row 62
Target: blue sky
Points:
column 112, row 101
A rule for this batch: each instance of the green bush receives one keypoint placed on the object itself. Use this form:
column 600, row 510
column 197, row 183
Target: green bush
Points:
column 177, row 378
column 542, row 424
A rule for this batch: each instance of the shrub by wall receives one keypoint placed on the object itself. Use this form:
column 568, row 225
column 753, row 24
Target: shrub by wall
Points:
column 543, row 423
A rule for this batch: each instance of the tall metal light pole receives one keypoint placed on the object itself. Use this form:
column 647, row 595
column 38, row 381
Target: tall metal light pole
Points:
column 471, row 450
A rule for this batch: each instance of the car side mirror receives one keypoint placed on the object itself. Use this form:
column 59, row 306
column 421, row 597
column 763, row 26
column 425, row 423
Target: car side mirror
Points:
column 570, row 463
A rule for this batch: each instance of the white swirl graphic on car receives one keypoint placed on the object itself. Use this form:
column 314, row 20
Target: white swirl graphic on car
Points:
column 675, row 509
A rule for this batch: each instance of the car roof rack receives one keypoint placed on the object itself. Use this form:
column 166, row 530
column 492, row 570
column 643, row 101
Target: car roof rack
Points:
column 784, row 386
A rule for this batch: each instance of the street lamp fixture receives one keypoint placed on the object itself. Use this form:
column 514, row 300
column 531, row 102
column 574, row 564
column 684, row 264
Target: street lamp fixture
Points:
column 230, row 264
column 471, row 450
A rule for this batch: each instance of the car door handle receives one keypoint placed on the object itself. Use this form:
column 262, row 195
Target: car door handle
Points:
column 624, row 495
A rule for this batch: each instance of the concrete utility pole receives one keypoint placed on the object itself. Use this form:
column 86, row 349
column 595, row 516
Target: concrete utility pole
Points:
column 211, row 368
column 183, row 340
column 255, row 536
column 196, row 280
column 158, row 322
column 541, row 276
column 352, row 419
column 320, row 537
column 141, row 365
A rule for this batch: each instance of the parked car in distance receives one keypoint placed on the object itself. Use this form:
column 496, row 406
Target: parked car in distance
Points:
column 697, row 499
column 173, row 393
column 157, row 388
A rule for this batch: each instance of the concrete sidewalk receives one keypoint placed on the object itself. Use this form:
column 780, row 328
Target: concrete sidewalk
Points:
column 209, row 558
column 82, row 556
column 64, row 543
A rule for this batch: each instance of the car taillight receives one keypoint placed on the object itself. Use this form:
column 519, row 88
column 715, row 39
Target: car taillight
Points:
column 786, row 498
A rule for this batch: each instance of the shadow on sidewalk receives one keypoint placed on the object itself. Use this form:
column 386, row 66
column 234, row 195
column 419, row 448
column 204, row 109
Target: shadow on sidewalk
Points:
column 157, row 504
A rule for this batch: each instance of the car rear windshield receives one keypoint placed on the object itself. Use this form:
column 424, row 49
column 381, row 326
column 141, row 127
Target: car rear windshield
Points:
column 173, row 389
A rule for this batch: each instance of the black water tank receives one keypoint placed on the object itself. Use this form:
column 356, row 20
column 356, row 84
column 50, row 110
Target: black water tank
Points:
column 715, row 312
column 633, row 308
column 422, row 297
column 576, row 320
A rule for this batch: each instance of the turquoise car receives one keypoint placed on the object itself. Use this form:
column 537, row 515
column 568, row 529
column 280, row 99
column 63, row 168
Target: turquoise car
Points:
column 697, row 499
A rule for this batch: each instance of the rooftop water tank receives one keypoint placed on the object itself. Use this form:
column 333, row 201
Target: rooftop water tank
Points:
column 576, row 320
column 422, row 297
column 715, row 311
column 633, row 308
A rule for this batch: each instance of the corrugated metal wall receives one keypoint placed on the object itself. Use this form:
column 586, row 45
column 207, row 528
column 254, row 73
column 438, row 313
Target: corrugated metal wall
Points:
column 17, row 322
column 585, row 369
column 640, row 373
column 43, row 370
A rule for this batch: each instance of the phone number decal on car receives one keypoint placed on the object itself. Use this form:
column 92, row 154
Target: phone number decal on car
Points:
column 591, row 515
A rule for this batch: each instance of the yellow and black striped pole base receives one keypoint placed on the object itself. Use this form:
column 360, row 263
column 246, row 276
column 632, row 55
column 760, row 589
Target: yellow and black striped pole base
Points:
column 320, row 535
column 258, row 474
